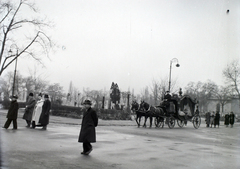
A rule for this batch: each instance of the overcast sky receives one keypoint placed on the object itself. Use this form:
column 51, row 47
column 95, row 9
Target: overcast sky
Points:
column 131, row 42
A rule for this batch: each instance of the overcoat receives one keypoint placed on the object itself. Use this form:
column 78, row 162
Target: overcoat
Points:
column 37, row 111
column 226, row 122
column 44, row 118
column 216, row 119
column 89, row 122
column 13, row 110
column 207, row 118
column 231, row 118
column 29, row 109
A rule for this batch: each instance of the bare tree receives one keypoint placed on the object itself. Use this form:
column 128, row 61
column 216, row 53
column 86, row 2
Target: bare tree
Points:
column 232, row 76
column 202, row 92
column 223, row 95
column 25, row 33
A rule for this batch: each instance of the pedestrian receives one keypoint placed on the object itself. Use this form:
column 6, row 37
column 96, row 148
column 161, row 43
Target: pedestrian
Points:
column 12, row 113
column 226, row 122
column 216, row 120
column 207, row 119
column 44, row 117
column 231, row 118
column 37, row 111
column 212, row 118
column 89, row 122
column 29, row 109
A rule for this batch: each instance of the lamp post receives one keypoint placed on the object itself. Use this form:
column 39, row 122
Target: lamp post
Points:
column 15, row 70
column 177, row 65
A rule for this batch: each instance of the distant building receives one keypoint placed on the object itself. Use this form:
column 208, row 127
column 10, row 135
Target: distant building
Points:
column 233, row 105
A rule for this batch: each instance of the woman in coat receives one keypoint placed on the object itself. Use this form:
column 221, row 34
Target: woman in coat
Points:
column 89, row 122
column 29, row 109
column 226, row 122
column 44, row 118
column 37, row 111
column 12, row 113
column 231, row 119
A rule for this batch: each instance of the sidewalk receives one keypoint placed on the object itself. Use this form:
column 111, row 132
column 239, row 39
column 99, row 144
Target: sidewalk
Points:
column 73, row 121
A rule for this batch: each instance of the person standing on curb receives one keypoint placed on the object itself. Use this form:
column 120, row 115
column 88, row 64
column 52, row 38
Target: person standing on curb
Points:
column 226, row 122
column 29, row 109
column 44, row 118
column 207, row 119
column 89, row 122
column 231, row 119
column 216, row 120
column 12, row 113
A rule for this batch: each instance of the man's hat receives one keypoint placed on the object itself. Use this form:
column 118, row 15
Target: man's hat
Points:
column 30, row 94
column 87, row 102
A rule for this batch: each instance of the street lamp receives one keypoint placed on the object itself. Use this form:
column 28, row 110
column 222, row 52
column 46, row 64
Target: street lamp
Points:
column 15, row 71
column 177, row 65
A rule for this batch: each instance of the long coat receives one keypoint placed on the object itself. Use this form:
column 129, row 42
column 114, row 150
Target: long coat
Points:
column 216, row 119
column 13, row 110
column 231, row 119
column 29, row 109
column 226, row 122
column 207, row 118
column 44, row 118
column 89, row 122
column 37, row 111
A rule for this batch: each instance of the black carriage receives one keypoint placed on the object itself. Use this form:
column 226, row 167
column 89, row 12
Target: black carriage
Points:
column 181, row 109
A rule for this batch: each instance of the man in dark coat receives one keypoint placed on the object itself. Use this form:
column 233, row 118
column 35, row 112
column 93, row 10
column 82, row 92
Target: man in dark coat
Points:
column 44, row 117
column 231, row 119
column 29, row 109
column 216, row 119
column 89, row 122
column 12, row 113
column 207, row 119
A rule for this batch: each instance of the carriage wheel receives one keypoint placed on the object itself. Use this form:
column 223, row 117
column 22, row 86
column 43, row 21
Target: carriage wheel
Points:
column 159, row 122
column 171, row 122
column 180, row 123
column 196, row 121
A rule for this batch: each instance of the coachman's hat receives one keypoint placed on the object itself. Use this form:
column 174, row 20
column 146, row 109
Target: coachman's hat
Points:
column 87, row 102
column 14, row 96
column 30, row 94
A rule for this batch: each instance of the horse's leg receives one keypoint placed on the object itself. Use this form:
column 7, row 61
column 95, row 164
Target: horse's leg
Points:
column 137, row 120
column 144, row 125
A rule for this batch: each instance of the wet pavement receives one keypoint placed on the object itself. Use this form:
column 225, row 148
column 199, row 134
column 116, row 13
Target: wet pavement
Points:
column 120, row 145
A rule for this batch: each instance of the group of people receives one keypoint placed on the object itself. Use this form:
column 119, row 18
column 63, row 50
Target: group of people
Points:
column 229, row 119
column 36, row 112
column 213, row 119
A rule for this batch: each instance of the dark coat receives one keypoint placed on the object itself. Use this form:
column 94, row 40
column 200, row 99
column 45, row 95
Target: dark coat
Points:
column 216, row 119
column 207, row 118
column 226, row 122
column 44, row 117
column 13, row 110
column 231, row 119
column 89, row 122
column 29, row 109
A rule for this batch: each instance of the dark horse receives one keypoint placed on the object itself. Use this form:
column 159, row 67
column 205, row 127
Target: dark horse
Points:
column 140, row 110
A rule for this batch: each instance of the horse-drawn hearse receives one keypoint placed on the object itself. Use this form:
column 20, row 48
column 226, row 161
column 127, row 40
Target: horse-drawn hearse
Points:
column 181, row 109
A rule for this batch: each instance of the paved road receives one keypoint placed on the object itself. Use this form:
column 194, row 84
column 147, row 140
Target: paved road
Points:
column 120, row 145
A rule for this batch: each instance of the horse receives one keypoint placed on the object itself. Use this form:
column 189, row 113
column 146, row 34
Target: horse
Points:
column 144, row 107
column 158, row 113
column 135, row 109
